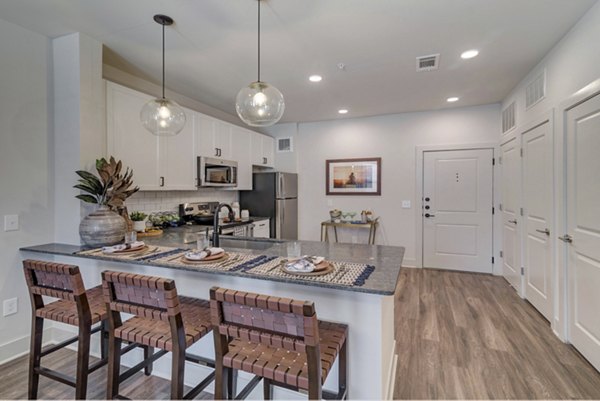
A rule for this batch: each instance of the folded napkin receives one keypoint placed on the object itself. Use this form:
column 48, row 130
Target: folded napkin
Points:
column 123, row 247
column 199, row 255
column 305, row 264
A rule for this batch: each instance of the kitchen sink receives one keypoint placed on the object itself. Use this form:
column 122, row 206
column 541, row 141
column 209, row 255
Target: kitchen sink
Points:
column 247, row 243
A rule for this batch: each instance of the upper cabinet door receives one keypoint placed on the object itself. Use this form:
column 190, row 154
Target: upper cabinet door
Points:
column 256, row 146
column 204, row 133
column 268, row 148
column 240, row 152
column 223, row 139
column 177, row 157
column 127, row 139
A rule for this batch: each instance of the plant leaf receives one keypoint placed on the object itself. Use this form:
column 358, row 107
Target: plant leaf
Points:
column 86, row 188
column 87, row 198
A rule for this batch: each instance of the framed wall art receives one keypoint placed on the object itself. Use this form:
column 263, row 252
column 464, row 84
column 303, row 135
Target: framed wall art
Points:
column 353, row 176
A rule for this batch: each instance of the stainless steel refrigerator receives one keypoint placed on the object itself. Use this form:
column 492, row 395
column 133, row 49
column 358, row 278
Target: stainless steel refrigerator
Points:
column 274, row 195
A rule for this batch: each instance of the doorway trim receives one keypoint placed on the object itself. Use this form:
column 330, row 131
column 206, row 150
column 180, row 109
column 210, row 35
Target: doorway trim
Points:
column 418, row 201
column 560, row 322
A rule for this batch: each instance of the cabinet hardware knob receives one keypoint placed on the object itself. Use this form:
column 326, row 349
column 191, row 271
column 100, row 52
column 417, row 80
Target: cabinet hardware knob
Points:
column 162, row 181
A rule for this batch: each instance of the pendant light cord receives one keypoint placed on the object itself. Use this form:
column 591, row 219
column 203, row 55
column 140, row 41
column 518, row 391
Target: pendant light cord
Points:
column 259, row 40
column 163, row 60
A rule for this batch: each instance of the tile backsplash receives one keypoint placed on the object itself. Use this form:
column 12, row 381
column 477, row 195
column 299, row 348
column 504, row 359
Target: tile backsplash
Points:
column 168, row 201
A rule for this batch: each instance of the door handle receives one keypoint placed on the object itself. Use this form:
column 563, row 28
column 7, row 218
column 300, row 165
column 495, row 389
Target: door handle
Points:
column 428, row 215
column 566, row 238
column 513, row 221
column 544, row 231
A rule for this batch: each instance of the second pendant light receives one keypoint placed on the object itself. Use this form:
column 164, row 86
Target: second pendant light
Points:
column 259, row 104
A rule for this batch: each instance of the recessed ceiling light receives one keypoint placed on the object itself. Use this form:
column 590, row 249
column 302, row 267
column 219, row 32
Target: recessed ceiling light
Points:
column 452, row 99
column 343, row 111
column 315, row 78
column 469, row 54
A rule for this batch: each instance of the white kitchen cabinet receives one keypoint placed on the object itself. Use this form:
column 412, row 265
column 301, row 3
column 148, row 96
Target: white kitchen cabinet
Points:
column 158, row 163
column 263, row 150
column 213, row 137
column 262, row 229
column 240, row 152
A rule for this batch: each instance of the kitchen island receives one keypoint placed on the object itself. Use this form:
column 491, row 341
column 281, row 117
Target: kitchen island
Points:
column 365, row 303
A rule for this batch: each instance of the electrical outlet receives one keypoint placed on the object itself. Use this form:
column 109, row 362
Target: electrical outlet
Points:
column 11, row 222
column 405, row 204
column 10, row 306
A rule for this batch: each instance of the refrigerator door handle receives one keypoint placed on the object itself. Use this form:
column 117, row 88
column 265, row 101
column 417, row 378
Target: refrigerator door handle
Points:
column 282, row 213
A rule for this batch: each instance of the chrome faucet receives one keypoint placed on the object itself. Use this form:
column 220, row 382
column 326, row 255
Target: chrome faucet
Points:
column 216, row 229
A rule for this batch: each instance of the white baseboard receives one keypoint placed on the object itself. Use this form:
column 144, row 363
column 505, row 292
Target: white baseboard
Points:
column 408, row 262
column 17, row 348
column 391, row 378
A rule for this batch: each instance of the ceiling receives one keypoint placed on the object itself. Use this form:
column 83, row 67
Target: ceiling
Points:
column 211, row 49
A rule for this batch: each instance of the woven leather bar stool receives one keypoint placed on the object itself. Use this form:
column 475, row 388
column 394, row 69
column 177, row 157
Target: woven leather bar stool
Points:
column 162, row 319
column 277, row 339
column 76, row 307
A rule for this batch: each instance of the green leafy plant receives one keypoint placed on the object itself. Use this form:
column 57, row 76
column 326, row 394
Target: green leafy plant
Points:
column 137, row 216
column 110, row 188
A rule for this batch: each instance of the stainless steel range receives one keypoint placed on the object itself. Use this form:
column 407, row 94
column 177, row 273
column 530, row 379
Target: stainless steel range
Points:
column 202, row 214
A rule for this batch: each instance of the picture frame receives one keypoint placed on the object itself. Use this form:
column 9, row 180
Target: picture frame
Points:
column 353, row 176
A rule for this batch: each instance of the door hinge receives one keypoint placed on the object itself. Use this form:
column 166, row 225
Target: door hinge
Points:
column 493, row 161
column 522, row 271
column 501, row 254
column 521, row 152
column 493, row 210
column 521, row 211
column 492, row 260
column 500, row 207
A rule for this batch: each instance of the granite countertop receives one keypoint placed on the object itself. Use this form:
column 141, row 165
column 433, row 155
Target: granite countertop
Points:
column 386, row 259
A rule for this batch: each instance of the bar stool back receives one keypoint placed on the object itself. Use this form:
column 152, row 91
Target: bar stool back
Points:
column 162, row 319
column 75, row 306
column 278, row 339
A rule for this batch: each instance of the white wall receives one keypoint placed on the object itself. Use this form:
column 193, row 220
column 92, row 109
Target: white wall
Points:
column 394, row 139
column 570, row 65
column 26, row 168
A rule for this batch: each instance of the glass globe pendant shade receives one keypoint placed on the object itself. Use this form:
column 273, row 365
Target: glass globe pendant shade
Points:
column 259, row 104
column 162, row 117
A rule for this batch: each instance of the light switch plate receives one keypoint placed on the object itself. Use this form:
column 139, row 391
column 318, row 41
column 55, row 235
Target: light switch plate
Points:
column 11, row 222
column 10, row 306
column 405, row 204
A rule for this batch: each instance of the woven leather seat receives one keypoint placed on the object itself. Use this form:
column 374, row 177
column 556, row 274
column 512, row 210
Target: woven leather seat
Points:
column 282, row 365
column 196, row 323
column 279, row 340
column 65, row 311
column 161, row 319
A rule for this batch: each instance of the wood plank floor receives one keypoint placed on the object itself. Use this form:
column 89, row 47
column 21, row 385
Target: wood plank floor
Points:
column 460, row 336
column 469, row 336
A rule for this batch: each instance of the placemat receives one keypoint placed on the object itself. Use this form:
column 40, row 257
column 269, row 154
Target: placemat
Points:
column 235, row 261
column 349, row 274
column 153, row 252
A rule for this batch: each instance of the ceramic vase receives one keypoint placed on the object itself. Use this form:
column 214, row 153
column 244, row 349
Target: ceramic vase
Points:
column 102, row 227
column 139, row 226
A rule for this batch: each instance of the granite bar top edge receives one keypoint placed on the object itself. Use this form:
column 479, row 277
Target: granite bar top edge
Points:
column 388, row 284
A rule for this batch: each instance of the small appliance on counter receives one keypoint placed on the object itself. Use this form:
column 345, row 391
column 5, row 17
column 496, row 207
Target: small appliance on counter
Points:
column 275, row 195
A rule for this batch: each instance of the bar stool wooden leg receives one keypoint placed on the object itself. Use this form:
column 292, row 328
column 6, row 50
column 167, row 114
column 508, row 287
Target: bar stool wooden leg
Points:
column 83, row 358
column 267, row 389
column 177, row 372
column 104, row 339
column 37, row 329
column 148, row 352
column 114, row 363
column 343, row 371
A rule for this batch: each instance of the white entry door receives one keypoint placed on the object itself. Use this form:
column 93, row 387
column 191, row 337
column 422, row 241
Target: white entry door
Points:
column 511, row 173
column 583, row 226
column 457, row 209
column 537, row 205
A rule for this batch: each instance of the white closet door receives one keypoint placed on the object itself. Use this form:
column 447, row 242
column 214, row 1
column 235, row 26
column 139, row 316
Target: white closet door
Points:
column 537, row 204
column 457, row 210
column 583, row 225
column 511, row 183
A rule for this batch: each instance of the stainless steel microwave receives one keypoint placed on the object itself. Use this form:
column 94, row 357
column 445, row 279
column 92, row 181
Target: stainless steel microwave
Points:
column 214, row 172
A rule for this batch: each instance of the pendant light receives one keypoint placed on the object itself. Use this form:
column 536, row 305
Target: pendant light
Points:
column 161, row 116
column 259, row 104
